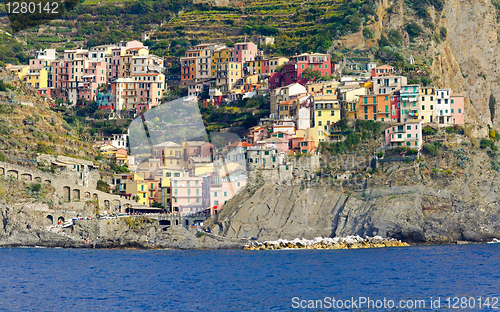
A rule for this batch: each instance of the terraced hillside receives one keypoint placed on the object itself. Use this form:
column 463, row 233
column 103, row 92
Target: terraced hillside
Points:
column 28, row 126
column 297, row 25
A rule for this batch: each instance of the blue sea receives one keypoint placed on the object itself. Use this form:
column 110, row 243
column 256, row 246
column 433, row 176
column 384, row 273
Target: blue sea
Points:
column 36, row 279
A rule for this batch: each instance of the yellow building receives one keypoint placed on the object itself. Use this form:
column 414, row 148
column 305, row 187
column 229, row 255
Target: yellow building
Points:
column 18, row 70
column 164, row 175
column 426, row 100
column 218, row 56
column 326, row 113
column 140, row 190
column 276, row 62
column 36, row 78
column 349, row 99
column 126, row 58
column 171, row 154
column 227, row 74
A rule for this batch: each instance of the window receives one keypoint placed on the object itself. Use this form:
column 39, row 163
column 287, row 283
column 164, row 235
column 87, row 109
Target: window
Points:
column 386, row 98
column 459, row 110
column 332, row 113
column 452, row 101
column 366, row 100
column 319, row 123
column 215, row 194
column 225, row 194
column 423, row 98
column 319, row 113
column 432, row 107
column 452, row 111
column 400, row 135
column 408, row 135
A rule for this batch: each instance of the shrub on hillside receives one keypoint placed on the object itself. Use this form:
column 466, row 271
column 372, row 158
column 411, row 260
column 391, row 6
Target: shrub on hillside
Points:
column 103, row 186
column 430, row 149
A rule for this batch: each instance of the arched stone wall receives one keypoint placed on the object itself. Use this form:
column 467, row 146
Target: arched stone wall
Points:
column 76, row 195
column 66, row 194
column 13, row 173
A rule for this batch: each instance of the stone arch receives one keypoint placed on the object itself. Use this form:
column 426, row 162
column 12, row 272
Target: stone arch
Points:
column 187, row 222
column 66, row 194
column 13, row 173
column 87, row 195
column 116, row 205
column 95, row 197
column 50, row 220
column 107, row 204
column 60, row 220
column 165, row 222
column 176, row 222
column 38, row 179
column 26, row 177
column 2, row 171
column 76, row 194
column 47, row 182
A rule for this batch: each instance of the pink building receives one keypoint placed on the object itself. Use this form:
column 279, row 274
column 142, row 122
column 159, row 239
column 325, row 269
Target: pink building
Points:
column 292, row 71
column 280, row 144
column 149, row 89
column 244, row 52
column 95, row 75
column 457, row 108
column 258, row 134
column 186, row 194
column 408, row 134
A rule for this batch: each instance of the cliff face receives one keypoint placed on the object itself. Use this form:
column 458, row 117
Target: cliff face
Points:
column 472, row 44
column 450, row 197
column 466, row 60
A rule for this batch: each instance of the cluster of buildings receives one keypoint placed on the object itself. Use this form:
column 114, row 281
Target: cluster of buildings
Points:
column 191, row 176
column 121, row 77
column 185, row 177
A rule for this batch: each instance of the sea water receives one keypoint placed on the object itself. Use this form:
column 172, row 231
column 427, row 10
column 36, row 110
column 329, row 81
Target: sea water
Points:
column 34, row 279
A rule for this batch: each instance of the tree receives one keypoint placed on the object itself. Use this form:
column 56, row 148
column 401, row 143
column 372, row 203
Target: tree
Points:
column 492, row 104
column 309, row 73
column 103, row 186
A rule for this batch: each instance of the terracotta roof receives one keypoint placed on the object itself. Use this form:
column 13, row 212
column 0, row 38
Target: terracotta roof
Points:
column 242, row 144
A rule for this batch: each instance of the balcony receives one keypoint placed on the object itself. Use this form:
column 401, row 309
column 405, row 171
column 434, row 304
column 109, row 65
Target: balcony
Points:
column 413, row 114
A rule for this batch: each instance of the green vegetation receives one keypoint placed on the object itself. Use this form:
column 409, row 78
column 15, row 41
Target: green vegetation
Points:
column 492, row 104
column 103, row 186
column 455, row 130
column 414, row 30
column 431, row 149
column 244, row 113
column 427, row 130
column 365, row 130
column 485, row 143
column 117, row 168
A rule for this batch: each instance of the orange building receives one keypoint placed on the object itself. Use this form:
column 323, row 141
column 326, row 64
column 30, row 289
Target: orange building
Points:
column 188, row 65
column 384, row 70
column 375, row 107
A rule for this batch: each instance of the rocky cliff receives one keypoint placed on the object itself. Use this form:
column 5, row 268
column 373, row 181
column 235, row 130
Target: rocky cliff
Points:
column 451, row 197
column 25, row 225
